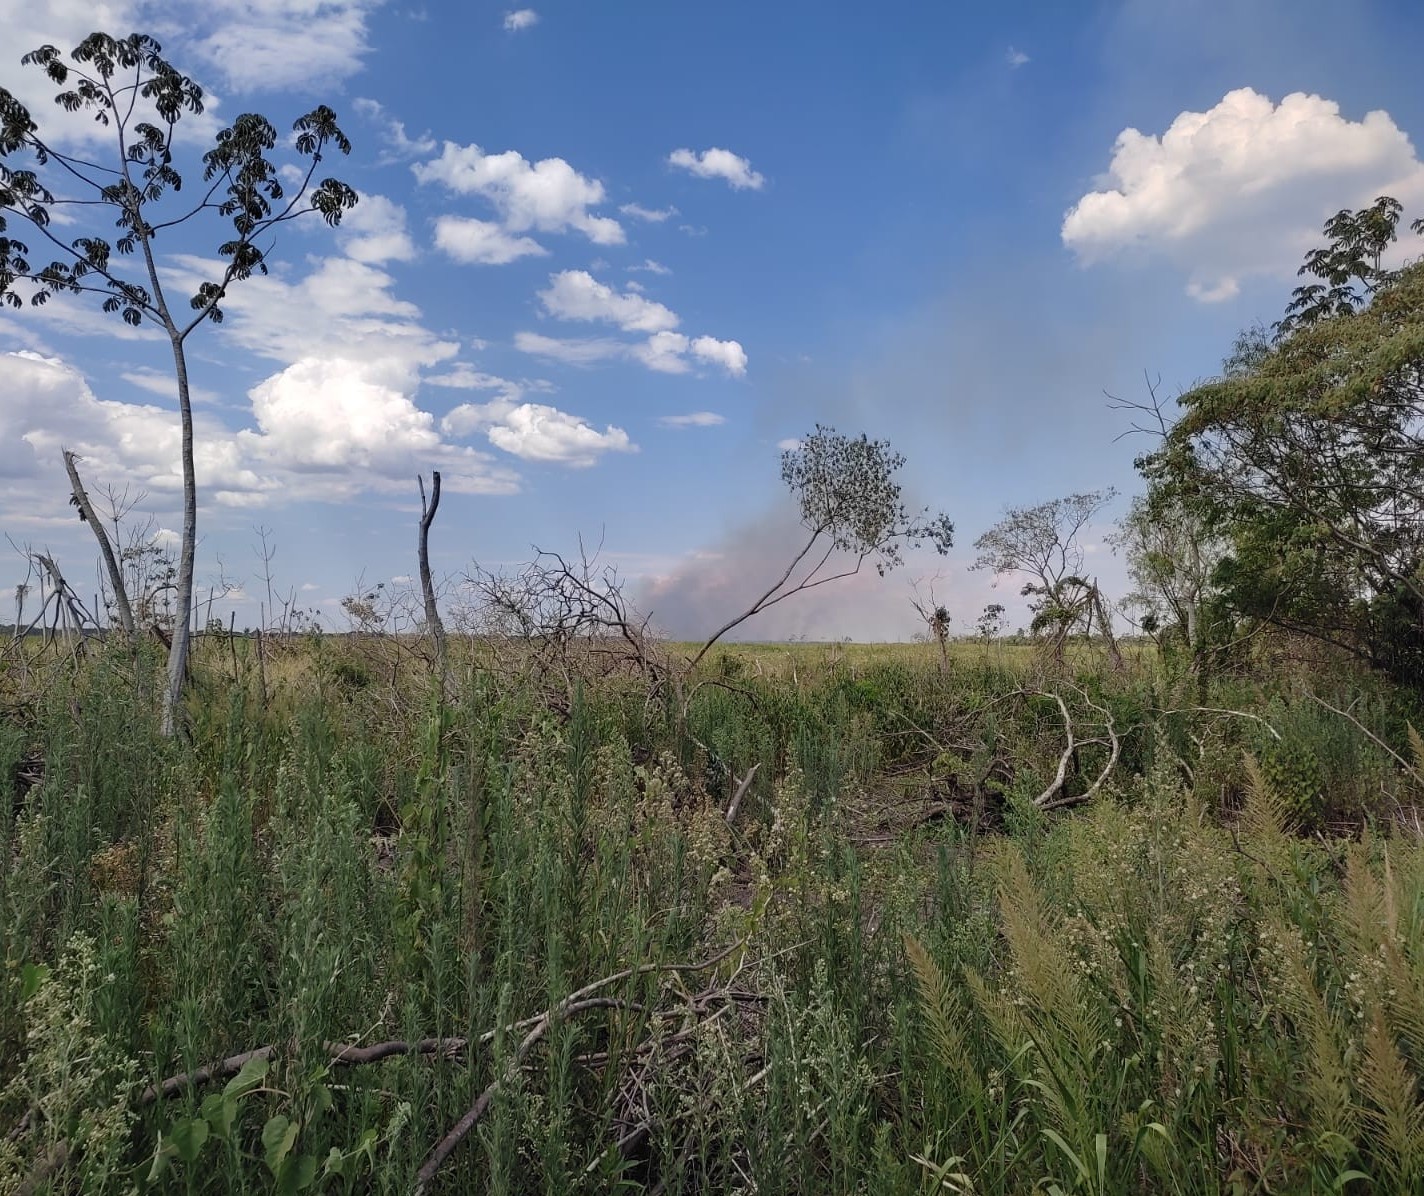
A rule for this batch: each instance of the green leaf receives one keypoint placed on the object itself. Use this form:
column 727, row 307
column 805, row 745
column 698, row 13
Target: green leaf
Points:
column 32, row 976
column 253, row 1072
column 220, row 1111
column 297, row 1174
column 188, row 1137
column 1078, row 1165
column 278, row 1137
column 321, row 1097
column 335, row 1161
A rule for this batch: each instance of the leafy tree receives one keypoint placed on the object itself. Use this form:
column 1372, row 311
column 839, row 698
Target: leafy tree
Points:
column 1043, row 543
column 1350, row 268
column 1309, row 458
column 1172, row 557
column 990, row 624
column 139, row 98
column 851, row 504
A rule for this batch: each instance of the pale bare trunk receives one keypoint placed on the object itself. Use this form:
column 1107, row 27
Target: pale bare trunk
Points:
column 433, row 622
column 178, row 651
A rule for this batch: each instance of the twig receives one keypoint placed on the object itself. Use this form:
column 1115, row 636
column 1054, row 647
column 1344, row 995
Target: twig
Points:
column 1359, row 726
column 1255, row 718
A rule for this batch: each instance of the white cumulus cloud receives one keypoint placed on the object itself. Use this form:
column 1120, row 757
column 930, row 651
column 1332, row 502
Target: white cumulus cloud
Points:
column 1242, row 189
column 326, row 430
column 547, row 196
column 540, row 433
column 577, row 295
column 482, row 242
column 665, row 352
column 728, row 354
column 374, row 232
column 271, row 45
column 717, row 163
column 520, row 19
column 537, row 432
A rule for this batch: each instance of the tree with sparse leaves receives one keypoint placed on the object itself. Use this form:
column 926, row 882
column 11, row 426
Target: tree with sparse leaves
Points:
column 852, row 511
column 140, row 98
column 1043, row 544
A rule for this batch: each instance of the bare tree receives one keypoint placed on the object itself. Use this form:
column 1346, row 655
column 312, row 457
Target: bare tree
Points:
column 936, row 618
column 567, row 621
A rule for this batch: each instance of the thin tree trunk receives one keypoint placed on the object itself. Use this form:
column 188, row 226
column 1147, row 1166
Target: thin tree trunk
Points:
column 433, row 621
column 178, row 652
column 111, row 564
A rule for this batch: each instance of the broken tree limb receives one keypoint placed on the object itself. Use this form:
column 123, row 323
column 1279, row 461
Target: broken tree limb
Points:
column 1052, row 798
column 1114, row 744
column 746, row 783
column 349, row 1054
column 80, row 498
column 542, row 1024
column 1055, row 786
column 1364, row 730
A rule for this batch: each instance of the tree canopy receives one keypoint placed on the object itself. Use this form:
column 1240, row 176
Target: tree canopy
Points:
column 1307, row 456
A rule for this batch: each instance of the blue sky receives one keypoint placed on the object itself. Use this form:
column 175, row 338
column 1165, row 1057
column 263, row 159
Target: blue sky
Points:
column 609, row 257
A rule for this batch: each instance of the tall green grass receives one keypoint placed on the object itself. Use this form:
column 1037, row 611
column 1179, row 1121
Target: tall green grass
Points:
column 1203, row 981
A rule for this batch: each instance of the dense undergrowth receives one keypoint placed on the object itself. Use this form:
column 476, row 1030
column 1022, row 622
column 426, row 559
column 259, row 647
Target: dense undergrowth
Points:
column 360, row 905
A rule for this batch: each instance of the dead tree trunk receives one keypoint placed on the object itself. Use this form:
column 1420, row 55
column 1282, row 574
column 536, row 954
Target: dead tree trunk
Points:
column 80, row 498
column 433, row 621
column 1105, row 623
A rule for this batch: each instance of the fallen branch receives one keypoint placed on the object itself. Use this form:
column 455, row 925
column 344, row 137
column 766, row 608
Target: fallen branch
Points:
column 542, row 1024
column 347, row 1054
column 1052, row 798
column 746, row 783
column 1055, row 786
column 1255, row 718
column 1115, row 750
column 79, row 497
